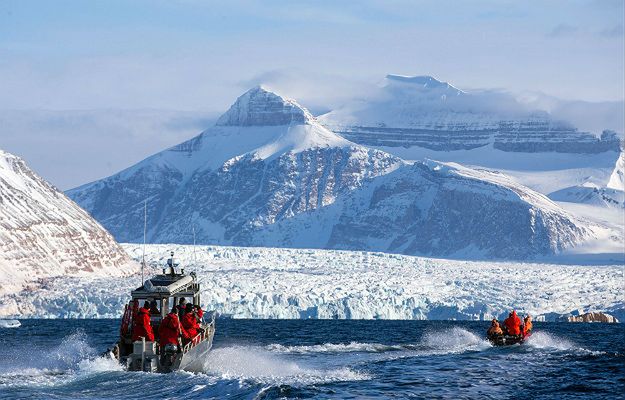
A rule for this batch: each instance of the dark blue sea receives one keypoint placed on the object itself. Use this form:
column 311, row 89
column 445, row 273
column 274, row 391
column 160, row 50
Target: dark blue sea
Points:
column 268, row 359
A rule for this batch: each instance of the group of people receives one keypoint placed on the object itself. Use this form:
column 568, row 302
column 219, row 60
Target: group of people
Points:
column 180, row 326
column 512, row 326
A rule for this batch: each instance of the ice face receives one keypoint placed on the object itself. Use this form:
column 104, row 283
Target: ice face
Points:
column 290, row 283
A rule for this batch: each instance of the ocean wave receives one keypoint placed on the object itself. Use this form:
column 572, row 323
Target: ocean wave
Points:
column 547, row 341
column 454, row 340
column 351, row 347
column 257, row 364
column 436, row 342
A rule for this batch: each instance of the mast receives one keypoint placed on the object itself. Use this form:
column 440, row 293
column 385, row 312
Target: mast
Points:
column 194, row 260
column 145, row 229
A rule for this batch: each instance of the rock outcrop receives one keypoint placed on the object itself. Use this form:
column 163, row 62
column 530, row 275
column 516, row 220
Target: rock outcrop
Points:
column 591, row 317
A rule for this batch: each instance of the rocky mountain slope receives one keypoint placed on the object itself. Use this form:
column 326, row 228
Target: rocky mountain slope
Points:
column 422, row 111
column 269, row 174
column 43, row 234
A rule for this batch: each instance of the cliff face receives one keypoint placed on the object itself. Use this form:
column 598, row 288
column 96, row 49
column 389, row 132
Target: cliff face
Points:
column 43, row 234
column 592, row 317
column 424, row 112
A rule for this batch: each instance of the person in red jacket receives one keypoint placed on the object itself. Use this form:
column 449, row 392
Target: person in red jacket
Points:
column 189, row 322
column 199, row 312
column 170, row 329
column 513, row 324
column 141, row 326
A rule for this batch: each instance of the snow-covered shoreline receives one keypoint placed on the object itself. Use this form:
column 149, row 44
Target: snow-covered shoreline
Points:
column 242, row 282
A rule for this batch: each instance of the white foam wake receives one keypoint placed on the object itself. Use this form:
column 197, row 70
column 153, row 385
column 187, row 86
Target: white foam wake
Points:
column 261, row 365
column 546, row 341
column 351, row 347
column 38, row 366
column 454, row 340
column 10, row 323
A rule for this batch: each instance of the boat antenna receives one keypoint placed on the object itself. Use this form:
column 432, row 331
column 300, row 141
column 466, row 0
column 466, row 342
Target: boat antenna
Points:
column 145, row 229
column 194, row 259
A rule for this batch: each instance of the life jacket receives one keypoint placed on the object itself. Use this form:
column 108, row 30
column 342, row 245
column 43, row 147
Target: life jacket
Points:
column 513, row 324
column 527, row 328
column 169, row 330
column 141, row 319
column 142, row 326
column 190, row 324
column 495, row 330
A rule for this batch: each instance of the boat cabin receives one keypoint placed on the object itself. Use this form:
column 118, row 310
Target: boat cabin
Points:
column 166, row 289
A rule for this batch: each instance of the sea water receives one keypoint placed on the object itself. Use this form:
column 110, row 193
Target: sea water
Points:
column 265, row 359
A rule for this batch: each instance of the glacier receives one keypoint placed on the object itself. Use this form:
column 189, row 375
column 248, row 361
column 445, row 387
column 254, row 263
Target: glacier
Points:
column 239, row 282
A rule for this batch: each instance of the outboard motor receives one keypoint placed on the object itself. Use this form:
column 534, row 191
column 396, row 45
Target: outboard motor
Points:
column 168, row 355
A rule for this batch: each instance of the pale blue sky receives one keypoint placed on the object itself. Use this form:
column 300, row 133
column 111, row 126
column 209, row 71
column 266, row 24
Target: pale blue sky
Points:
column 198, row 56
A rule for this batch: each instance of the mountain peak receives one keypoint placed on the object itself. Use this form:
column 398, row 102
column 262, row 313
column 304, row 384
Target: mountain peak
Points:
column 260, row 106
column 424, row 81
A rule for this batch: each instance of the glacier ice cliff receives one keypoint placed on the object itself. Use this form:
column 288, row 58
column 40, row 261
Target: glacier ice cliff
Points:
column 242, row 282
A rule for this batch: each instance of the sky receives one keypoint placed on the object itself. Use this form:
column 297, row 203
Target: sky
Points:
column 81, row 61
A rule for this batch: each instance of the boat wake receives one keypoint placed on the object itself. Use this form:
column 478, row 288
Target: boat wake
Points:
column 454, row 340
column 260, row 365
column 352, row 347
column 9, row 323
column 447, row 341
column 549, row 342
column 38, row 366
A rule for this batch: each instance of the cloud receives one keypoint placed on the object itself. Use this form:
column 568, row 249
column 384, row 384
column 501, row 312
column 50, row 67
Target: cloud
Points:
column 317, row 91
column 563, row 30
column 612, row 32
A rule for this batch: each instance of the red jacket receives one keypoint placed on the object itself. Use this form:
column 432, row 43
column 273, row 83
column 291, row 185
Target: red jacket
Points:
column 513, row 324
column 190, row 324
column 141, row 326
column 170, row 329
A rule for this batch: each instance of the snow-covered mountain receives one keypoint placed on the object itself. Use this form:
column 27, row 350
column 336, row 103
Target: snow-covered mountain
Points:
column 265, row 159
column 269, row 174
column 617, row 178
column 44, row 234
column 425, row 112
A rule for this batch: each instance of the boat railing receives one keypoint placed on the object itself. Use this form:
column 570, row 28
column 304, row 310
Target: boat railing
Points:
column 200, row 337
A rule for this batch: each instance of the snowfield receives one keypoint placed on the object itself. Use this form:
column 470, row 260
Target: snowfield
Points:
column 294, row 283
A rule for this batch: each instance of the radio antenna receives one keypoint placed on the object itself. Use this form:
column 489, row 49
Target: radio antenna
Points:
column 145, row 229
column 194, row 259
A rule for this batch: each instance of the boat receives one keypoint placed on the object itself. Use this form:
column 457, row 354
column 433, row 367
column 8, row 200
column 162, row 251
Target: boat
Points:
column 166, row 289
column 508, row 340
